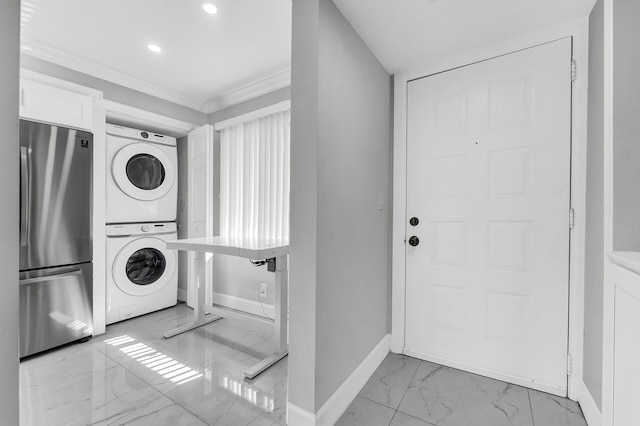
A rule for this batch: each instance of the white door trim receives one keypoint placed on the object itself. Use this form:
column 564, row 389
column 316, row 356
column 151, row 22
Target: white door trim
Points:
column 608, row 317
column 579, row 31
column 200, row 190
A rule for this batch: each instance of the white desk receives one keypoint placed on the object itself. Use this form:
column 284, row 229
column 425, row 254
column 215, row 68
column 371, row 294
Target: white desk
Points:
column 250, row 250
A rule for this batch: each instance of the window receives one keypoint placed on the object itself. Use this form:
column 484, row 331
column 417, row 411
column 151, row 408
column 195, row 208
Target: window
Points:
column 254, row 179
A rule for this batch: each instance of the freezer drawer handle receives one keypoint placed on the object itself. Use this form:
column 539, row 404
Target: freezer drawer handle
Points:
column 51, row 277
column 24, row 196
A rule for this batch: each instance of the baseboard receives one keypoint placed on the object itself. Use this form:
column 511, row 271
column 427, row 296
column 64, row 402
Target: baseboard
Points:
column 297, row 416
column 592, row 413
column 244, row 305
column 338, row 403
column 237, row 303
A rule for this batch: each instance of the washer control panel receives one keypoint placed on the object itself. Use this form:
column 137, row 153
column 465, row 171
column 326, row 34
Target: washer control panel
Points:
column 124, row 229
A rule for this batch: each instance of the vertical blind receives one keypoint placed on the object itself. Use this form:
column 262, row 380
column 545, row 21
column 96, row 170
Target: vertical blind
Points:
column 254, row 179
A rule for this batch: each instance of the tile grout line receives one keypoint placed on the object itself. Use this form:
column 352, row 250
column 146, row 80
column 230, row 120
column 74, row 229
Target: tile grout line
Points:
column 51, row 392
column 169, row 397
column 533, row 419
column 420, row 362
column 413, row 417
column 155, row 388
column 134, row 411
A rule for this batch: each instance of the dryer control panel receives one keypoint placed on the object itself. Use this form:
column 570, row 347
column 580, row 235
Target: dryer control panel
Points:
column 125, row 229
column 142, row 135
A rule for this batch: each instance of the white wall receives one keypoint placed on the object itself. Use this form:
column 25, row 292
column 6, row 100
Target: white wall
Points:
column 594, row 244
column 9, row 66
column 341, row 161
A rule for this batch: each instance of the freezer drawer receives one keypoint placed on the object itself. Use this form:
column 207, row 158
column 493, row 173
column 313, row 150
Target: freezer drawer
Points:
column 56, row 307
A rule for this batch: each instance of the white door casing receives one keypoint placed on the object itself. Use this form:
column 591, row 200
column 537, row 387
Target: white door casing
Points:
column 488, row 176
column 200, row 202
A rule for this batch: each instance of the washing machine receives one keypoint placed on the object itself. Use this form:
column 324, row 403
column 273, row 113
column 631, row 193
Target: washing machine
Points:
column 142, row 176
column 142, row 274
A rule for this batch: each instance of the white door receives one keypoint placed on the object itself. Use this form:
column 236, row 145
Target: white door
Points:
column 200, row 202
column 488, row 178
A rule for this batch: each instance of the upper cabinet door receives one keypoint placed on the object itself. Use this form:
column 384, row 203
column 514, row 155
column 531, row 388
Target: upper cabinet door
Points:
column 49, row 104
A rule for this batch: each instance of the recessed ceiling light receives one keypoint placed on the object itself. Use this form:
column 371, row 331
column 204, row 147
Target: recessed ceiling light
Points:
column 154, row 48
column 209, row 8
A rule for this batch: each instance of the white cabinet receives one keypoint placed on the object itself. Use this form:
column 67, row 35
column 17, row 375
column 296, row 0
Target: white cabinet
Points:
column 55, row 105
column 621, row 332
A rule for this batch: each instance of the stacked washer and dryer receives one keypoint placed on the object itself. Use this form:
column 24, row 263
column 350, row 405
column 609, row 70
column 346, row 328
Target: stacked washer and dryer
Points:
column 141, row 203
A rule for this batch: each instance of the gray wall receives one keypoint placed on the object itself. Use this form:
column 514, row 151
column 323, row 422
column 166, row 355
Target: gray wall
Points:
column 251, row 105
column 181, row 216
column 9, row 66
column 626, row 125
column 594, row 250
column 341, row 160
column 304, row 204
column 115, row 92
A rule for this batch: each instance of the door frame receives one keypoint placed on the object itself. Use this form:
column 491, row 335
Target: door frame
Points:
column 578, row 30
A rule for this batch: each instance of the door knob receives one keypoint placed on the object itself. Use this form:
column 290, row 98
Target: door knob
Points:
column 414, row 241
column 414, row 221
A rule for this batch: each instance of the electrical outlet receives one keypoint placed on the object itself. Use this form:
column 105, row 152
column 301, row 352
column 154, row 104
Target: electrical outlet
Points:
column 263, row 290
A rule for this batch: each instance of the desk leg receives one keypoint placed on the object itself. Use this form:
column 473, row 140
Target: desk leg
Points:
column 281, row 348
column 199, row 312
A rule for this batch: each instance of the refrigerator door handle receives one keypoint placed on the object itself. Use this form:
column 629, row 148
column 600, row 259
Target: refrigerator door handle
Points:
column 51, row 277
column 24, row 197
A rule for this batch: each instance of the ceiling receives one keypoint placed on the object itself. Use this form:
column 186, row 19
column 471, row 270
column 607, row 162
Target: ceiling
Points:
column 209, row 62
column 405, row 34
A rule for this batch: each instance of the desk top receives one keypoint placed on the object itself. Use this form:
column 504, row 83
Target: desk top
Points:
column 250, row 249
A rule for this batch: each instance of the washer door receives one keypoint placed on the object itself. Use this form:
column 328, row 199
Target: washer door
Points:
column 143, row 266
column 143, row 171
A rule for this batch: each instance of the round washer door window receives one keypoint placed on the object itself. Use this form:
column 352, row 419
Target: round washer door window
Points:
column 143, row 171
column 143, row 266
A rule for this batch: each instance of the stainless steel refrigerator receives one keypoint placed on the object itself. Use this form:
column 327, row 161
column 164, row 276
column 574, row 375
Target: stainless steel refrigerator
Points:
column 56, row 305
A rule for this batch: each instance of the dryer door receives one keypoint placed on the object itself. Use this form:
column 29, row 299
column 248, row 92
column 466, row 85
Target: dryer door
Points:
column 143, row 171
column 143, row 266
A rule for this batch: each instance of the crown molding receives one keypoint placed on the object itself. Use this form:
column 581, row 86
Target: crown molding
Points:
column 275, row 81
column 130, row 116
column 226, row 99
column 59, row 57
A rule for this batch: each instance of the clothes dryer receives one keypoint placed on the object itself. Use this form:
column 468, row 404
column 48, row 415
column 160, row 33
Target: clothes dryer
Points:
column 142, row 274
column 142, row 176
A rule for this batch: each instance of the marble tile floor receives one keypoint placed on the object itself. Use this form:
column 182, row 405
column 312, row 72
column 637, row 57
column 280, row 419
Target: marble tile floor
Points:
column 409, row 392
column 133, row 376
